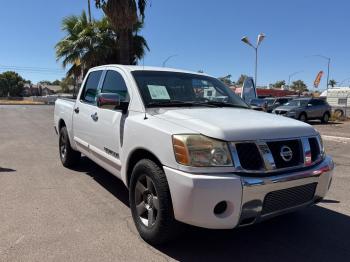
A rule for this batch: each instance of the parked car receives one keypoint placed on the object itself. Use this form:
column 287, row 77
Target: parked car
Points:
column 274, row 102
column 305, row 109
column 258, row 104
column 187, row 157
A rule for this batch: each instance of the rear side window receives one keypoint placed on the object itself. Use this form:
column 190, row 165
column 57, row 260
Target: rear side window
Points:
column 114, row 83
column 317, row 102
column 90, row 89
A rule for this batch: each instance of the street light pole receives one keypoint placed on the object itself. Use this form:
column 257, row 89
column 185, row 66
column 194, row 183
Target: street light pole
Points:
column 260, row 38
column 166, row 60
column 290, row 76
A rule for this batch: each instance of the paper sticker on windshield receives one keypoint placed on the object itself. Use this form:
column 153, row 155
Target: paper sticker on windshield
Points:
column 158, row 92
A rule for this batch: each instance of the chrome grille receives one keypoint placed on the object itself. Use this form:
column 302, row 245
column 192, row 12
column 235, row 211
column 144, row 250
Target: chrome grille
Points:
column 249, row 156
column 297, row 153
column 275, row 155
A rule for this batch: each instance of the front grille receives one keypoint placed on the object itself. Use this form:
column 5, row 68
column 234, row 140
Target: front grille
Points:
column 315, row 149
column 249, row 156
column 288, row 198
column 293, row 145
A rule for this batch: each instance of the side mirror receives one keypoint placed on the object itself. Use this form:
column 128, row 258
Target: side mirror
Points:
column 111, row 101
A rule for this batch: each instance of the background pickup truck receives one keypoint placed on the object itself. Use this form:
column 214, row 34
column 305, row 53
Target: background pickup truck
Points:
column 189, row 150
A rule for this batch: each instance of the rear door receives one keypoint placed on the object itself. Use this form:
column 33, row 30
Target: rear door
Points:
column 110, row 129
column 315, row 110
column 84, row 121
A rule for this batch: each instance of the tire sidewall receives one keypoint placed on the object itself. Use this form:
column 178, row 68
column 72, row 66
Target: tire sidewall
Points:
column 303, row 115
column 149, row 168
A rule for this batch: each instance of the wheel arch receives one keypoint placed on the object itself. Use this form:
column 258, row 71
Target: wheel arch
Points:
column 61, row 124
column 134, row 157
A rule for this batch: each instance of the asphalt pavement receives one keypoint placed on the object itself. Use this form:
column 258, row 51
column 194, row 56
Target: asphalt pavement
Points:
column 50, row 213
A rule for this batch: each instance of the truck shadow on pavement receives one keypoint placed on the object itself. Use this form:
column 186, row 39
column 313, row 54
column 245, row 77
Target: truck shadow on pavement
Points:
column 2, row 169
column 313, row 234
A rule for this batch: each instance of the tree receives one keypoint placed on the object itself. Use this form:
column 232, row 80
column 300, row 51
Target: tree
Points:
column 241, row 79
column 92, row 44
column 66, row 83
column 226, row 80
column 333, row 83
column 45, row 82
column 299, row 86
column 11, row 84
column 279, row 84
column 123, row 15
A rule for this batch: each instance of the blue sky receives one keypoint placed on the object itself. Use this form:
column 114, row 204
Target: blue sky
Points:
column 203, row 34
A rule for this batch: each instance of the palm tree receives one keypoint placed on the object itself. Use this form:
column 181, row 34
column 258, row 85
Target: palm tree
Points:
column 91, row 44
column 332, row 83
column 124, row 16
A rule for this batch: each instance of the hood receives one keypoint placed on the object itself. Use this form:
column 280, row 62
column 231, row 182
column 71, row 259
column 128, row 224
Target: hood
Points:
column 234, row 124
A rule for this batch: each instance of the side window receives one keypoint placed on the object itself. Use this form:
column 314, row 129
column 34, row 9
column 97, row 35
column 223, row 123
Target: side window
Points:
column 114, row 83
column 89, row 92
column 317, row 102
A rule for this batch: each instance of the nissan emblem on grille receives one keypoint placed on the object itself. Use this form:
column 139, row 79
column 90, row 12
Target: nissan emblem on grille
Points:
column 286, row 153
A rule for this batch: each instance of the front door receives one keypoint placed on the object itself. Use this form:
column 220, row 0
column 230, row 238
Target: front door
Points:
column 109, row 137
column 84, row 120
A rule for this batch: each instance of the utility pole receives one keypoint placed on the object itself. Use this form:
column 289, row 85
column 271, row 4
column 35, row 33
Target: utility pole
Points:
column 89, row 10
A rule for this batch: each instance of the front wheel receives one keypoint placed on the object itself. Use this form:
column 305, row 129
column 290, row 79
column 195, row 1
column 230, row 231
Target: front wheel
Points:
column 303, row 117
column 151, row 204
column 325, row 118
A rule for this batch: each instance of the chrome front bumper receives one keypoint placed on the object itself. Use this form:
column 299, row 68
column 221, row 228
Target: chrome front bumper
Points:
column 255, row 190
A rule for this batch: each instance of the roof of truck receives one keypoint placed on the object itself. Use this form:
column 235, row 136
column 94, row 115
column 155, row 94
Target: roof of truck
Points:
column 150, row 68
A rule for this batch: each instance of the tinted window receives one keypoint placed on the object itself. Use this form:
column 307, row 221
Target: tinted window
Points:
column 90, row 89
column 317, row 102
column 114, row 83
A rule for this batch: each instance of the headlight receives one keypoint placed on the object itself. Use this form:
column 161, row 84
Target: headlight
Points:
column 201, row 151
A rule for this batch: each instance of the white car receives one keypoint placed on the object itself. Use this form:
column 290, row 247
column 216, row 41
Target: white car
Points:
column 189, row 157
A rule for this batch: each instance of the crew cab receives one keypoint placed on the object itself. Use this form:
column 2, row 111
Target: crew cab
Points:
column 189, row 150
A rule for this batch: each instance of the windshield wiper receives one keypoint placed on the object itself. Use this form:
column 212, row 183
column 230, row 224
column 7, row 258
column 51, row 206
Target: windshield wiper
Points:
column 221, row 104
column 170, row 103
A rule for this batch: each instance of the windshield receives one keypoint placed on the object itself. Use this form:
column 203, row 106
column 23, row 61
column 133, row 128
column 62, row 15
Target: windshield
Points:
column 270, row 101
column 257, row 102
column 298, row 102
column 160, row 88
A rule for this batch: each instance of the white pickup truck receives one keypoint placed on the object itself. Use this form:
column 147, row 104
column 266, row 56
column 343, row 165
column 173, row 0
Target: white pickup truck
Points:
column 189, row 150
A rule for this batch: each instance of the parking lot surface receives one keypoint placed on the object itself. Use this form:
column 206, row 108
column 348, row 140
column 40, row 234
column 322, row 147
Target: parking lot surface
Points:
column 50, row 213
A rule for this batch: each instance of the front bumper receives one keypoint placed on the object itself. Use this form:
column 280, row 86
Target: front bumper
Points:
column 195, row 196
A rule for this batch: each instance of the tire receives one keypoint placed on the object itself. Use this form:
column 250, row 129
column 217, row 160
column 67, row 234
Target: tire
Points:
column 339, row 113
column 69, row 157
column 151, row 204
column 302, row 117
column 325, row 118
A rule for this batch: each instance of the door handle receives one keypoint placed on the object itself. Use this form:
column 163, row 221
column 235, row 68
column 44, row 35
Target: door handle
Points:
column 94, row 117
column 76, row 110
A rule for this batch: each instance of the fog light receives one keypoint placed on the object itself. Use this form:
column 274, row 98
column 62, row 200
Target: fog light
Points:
column 220, row 208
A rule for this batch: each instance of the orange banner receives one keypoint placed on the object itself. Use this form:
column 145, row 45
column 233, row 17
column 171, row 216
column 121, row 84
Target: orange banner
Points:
column 318, row 79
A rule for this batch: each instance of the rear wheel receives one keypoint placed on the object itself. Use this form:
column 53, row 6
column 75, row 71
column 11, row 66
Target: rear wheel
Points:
column 151, row 204
column 325, row 118
column 303, row 117
column 69, row 157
